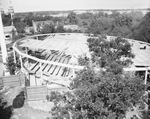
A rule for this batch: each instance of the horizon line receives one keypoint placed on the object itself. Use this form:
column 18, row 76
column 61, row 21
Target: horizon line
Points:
column 94, row 9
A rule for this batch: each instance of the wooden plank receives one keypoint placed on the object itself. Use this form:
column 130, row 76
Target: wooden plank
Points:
column 44, row 61
column 35, row 97
column 67, row 74
column 55, row 66
column 10, row 79
column 58, row 67
column 70, row 73
column 14, row 80
column 62, row 68
column 36, row 88
column 43, row 64
column 36, row 93
column 33, row 66
column 50, row 65
column 64, row 71
column 12, row 84
column 37, row 66
column 64, row 61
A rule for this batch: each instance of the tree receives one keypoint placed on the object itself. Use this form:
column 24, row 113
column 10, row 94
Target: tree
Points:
column 145, row 114
column 5, row 111
column 99, row 93
column 105, row 52
column 6, row 18
column 60, row 29
column 99, row 25
column 28, row 19
column 143, row 31
column 11, row 65
column 48, row 28
column 121, row 26
column 20, row 26
column 72, row 18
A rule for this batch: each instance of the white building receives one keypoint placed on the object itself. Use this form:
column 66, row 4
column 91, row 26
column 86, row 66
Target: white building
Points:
column 9, row 31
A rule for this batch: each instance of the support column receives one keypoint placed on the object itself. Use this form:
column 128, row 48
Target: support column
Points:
column 14, row 56
column 41, row 74
column 26, row 52
column 21, row 62
column 145, row 81
column 35, row 79
column 2, row 41
column 73, row 72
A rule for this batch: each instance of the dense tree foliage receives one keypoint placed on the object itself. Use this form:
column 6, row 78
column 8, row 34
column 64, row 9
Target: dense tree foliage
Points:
column 5, row 111
column 6, row 18
column 20, row 26
column 116, row 24
column 48, row 28
column 143, row 30
column 116, row 51
column 11, row 65
column 60, row 28
column 129, row 25
column 72, row 18
column 101, row 91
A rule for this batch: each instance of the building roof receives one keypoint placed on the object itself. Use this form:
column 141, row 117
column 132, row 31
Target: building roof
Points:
column 72, row 27
column 8, row 29
column 142, row 55
column 141, row 50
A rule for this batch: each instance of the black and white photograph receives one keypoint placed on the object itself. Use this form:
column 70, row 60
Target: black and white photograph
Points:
column 75, row 59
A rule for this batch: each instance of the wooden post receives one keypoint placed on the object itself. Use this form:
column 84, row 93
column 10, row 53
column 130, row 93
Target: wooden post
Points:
column 145, row 81
column 26, row 52
column 21, row 61
column 35, row 79
column 41, row 74
column 14, row 56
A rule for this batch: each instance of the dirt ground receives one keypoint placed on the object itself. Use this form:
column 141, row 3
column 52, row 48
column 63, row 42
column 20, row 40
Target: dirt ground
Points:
column 27, row 112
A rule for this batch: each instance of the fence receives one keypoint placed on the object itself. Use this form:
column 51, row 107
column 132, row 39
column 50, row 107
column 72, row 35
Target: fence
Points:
column 35, row 93
column 12, row 81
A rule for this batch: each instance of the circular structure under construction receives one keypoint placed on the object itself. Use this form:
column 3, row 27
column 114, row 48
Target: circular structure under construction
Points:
column 54, row 57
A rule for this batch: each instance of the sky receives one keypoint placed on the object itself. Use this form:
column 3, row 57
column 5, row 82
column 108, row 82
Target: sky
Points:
column 46, row 5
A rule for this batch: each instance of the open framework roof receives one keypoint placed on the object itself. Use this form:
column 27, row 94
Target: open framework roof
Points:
column 76, row 44
column 72, row 44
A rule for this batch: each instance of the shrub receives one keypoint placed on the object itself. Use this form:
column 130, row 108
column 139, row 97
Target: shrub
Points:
column 18, row 102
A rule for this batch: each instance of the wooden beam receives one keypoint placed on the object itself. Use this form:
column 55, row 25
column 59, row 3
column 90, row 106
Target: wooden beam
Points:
column 14, row 56
column 41, row 73
column 145, row 80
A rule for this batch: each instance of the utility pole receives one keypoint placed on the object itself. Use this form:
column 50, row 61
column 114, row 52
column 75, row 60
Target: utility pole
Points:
column 2, row 41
